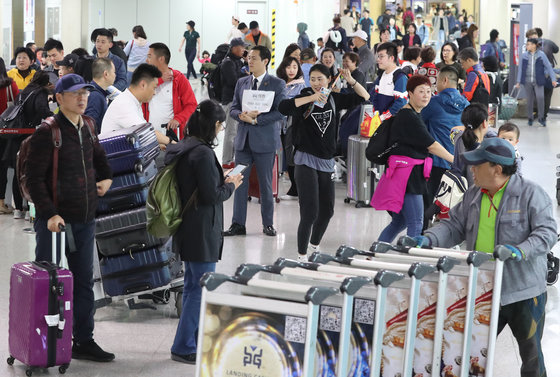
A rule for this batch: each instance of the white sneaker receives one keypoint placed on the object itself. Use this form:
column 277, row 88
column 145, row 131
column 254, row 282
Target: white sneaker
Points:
column 312, row 248
column 18, row 214
column 288, row 197
column 302, row 258
column 27, row 216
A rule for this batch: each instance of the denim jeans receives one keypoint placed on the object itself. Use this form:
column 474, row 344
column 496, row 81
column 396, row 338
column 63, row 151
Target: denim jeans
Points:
column 410, row 218
column 185, row 338
column 526, row 321
column 80, row 262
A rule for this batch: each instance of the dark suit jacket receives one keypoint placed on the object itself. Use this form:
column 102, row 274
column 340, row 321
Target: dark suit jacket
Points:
column 264, row 137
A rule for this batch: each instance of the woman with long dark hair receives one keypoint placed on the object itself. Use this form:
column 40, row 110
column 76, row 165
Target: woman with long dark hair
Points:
column 469, row 40
column 475, row 121
column 290, row 71
column 136, row 49
column 294, row 51
column 192, row 47
column 203, row 187
column 36, row 109
column 8, row 93
column 314, row 117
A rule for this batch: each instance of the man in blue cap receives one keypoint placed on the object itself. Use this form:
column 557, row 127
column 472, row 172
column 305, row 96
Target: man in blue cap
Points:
column 503, row 208
column 81, row 173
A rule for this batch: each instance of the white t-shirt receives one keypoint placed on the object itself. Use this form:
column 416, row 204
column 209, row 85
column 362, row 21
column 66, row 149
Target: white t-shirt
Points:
column 161, row 105
column 125, row 111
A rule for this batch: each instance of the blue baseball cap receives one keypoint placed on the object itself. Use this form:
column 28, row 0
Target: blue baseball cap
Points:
column 493, row 149
column 71, row 83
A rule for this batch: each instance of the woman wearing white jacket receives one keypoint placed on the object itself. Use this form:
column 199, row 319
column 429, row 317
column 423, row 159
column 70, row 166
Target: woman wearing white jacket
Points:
column 136, row 49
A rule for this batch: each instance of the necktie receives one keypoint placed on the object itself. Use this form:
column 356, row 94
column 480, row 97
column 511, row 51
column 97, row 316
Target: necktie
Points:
column 255, row 82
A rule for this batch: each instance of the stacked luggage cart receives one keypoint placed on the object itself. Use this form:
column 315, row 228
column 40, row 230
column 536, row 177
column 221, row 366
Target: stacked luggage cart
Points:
column 401, row 312
column 134, row 263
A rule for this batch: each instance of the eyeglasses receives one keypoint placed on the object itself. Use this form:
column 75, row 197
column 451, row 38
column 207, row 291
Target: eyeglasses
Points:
column 80, row 93
column 221, row 125
column 379, row 57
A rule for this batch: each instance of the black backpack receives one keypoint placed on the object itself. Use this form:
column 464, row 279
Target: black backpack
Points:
column 480, row 94
column 379, row 147
column 214, row 77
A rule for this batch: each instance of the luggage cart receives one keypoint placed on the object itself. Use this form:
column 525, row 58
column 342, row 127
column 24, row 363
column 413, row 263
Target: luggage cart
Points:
column 258, row 335
column 417, row 272
column 349, row 286
column 501, row 254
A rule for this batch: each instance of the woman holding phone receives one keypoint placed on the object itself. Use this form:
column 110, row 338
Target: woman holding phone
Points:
column 314, row 114
column 203, row 189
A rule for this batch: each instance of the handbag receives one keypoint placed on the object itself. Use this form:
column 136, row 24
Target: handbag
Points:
column 9, row 94
column 12, row 120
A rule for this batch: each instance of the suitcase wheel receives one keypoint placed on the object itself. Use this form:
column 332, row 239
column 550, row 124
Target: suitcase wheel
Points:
column 361, row 204
column 29, row 372
column 62, row 369
column 10, row 360
column 346, row 200
column 249, row 199
column 277, row 200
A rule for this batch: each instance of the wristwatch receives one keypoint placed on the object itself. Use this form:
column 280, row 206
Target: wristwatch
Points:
column 253, row 121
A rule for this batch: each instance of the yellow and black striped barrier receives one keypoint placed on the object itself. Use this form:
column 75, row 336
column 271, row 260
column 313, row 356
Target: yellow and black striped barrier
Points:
column 273, row 39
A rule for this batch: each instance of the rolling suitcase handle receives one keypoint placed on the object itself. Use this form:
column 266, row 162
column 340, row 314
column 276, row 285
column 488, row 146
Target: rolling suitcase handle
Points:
column 63, row 260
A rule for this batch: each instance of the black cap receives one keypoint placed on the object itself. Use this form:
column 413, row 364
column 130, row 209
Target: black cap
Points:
column 191, row 23
column 253, row 25
column 68, row 61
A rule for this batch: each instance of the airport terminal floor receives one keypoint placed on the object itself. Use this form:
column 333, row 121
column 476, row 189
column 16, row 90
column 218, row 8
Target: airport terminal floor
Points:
column 141, row 339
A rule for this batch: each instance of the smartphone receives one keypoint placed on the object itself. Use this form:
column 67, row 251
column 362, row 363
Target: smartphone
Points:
column 238, row 169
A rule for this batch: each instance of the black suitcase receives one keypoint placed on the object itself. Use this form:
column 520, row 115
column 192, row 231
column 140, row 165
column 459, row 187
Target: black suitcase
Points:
column 124, row 232
column 122, row 202
column 131, row 149
column 136, row 272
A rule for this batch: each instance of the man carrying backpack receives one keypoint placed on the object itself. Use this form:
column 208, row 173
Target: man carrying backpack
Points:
column 81, row 174
column 477, row 85
column 229, row 72
column 389, row 93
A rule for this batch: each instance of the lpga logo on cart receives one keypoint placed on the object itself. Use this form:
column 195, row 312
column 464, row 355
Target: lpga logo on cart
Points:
column 252, row 357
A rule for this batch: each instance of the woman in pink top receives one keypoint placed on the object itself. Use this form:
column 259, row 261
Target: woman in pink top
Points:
column 402, row 186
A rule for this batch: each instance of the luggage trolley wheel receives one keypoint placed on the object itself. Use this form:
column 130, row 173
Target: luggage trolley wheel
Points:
column 179, row 303
column 11, row 360
column 161, row 297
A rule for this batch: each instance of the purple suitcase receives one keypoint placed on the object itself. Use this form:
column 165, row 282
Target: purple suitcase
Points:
column 41, row 310
column 131, row 149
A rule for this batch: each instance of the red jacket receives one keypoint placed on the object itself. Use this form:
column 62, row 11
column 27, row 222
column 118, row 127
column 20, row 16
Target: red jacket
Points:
column 184, row 101
column 6, row 95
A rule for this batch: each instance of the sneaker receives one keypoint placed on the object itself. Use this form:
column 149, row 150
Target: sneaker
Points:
column 187, row 359
column 542, row 122
column 288, row 197
column 312, row 248
column 18, row 214
column 302, row 258
column 27, row 216
column 90, row 351
column 5, row 210
column 530, row 122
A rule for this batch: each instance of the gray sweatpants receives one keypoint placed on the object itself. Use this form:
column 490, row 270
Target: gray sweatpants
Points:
column 228, row 151
column 533, row 90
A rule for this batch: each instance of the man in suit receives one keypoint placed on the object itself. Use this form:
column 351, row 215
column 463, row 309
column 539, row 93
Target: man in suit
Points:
column 257, row 140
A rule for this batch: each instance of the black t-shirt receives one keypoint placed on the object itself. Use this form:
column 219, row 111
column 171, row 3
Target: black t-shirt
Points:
column 413, row 139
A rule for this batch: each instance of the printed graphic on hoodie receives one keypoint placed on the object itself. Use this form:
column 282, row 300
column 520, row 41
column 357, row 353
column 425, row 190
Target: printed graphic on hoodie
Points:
column 322, row 120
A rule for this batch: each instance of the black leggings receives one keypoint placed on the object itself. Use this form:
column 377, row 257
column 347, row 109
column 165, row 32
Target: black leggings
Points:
column 316, row 205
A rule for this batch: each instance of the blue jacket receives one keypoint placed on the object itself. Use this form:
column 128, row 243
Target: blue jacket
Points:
column 493, row 48
column 264, row 137
column 120, row 69
column 441, row 115
column 542, row 67
column 97, row 105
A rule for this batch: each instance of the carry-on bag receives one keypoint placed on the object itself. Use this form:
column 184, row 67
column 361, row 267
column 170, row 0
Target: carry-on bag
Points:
column 135, row 272
column 41, row 309
column 131, row 149
column 124, row 232
column 254, row 191
column 360, row 177
column 122, row 202
column 132, row 182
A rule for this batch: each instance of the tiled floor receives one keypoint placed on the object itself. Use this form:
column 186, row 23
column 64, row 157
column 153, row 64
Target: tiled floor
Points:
column 141, row 339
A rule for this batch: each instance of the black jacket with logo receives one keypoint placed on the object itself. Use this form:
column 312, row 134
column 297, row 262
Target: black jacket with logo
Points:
column 230, row 72
column 316, row 134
